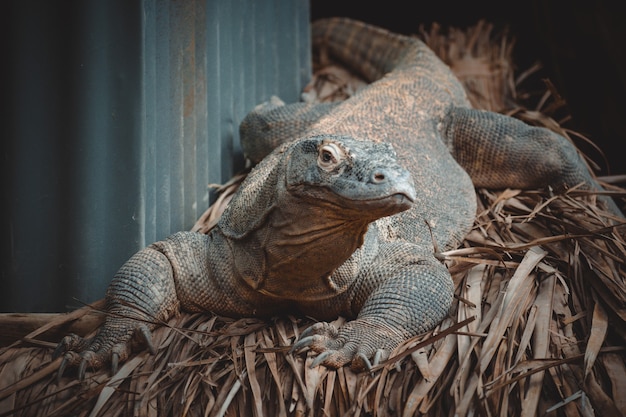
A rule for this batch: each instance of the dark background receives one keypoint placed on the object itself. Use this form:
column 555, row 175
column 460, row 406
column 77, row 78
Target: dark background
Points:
column 579, row 43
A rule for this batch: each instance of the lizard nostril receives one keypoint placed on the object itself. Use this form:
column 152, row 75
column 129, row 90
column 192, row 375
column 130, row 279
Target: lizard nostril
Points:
column 378, row 177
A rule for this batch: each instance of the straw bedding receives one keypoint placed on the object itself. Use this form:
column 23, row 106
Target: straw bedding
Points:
column 537, row 326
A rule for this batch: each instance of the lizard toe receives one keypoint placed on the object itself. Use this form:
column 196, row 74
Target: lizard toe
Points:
column 145, row 335
column 302, row 345
column 335, row 358
column 362, row 360
column 106, row 348
column 320, row 328
column 380, row 356
column 319, row 337
column 69, row 359
column 317, row 343
column 354, row 343
column 118, row 353
column 69, row 343
column 319, row 360
column 89, row 359
column 82, row 366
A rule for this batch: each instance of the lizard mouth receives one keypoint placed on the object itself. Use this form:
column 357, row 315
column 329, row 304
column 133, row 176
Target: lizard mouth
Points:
column 365, row 200
column 399, row 192
column 403, row 198
column 395, row 202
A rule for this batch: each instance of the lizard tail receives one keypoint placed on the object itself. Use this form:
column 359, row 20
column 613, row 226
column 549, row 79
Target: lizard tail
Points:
column 370, row 51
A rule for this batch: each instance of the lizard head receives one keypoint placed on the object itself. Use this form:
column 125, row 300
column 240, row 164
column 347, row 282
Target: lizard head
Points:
column 354, row 175
column 306, row 208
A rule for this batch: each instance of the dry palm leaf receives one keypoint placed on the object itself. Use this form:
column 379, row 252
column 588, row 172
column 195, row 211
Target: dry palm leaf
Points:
column 538, row 324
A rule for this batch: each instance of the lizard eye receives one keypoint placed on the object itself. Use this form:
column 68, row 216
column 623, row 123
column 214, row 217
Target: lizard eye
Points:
column 329, row 156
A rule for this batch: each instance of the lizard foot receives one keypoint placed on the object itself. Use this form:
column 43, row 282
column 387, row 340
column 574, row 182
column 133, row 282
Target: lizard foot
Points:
column 358, row 342
column 107, row 347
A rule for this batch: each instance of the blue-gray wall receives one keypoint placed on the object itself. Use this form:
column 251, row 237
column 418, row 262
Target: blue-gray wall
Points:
column 120, row 114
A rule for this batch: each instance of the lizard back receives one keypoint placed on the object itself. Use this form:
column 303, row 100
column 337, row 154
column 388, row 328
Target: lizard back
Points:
column 410, row 91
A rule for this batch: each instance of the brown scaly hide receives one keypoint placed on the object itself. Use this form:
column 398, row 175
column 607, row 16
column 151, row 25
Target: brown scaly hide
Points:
column 537, row 327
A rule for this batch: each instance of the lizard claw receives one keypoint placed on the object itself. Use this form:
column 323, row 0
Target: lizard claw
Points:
column 82, row 367
column 58, row 351
column 146, row 336
column 61, row 370
column 379, row 356
column 353, row 343
column 115, row 360
column 365, row 361
column 321, row 358
column 69, row 358
column 301, row 345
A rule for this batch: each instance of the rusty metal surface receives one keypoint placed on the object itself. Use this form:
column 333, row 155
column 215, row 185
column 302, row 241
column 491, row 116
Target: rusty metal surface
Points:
column 122, row 113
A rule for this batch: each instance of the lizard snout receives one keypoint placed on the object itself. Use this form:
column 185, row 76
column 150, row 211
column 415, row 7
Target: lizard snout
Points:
column 398, row 180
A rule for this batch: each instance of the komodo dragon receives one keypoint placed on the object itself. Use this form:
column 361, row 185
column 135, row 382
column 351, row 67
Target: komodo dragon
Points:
column 344, row 216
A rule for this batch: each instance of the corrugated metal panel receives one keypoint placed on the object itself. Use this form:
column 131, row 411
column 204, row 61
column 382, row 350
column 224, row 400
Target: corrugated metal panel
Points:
column 122, row 113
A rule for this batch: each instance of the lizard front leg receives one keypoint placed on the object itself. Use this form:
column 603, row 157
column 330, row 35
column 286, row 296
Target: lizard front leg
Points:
column 142, row 295
column 401, row 294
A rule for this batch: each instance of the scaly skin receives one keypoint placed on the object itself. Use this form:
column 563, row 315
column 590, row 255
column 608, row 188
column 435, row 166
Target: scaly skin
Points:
column 341, row 215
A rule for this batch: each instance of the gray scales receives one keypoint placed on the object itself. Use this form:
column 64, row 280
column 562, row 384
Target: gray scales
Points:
column 344, row 212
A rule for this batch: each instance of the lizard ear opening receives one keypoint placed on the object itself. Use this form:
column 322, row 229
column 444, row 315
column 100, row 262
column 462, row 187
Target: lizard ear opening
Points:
column 256, row 196
column 254, row 199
